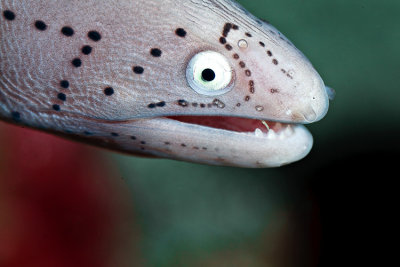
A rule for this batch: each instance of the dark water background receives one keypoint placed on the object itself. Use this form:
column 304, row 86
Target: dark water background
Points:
column 332, row 208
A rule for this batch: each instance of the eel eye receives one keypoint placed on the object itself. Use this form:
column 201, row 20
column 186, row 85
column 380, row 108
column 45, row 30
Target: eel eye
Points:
column 209, row 73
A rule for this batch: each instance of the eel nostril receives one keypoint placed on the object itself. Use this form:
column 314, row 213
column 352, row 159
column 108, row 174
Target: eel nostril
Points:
column 331, row 92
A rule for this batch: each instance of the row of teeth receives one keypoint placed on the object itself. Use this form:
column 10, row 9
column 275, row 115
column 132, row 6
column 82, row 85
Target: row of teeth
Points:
column 272, row 135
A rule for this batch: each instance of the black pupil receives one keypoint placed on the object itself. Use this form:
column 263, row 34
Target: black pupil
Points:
column 208, row 75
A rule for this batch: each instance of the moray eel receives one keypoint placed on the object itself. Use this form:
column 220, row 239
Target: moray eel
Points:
column 194, row 80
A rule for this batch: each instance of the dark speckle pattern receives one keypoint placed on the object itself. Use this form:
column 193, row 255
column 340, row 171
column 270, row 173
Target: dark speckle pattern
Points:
column 56, row 107
column 40, row 25
column 86, row 50
column 67, row 31
column 155, row 52
column 94, row 36
column 223, row 40
column 64, row 84
column 183, row 103
column 109, row 91
column 62, row 96
column 8, row 15
column 76, row 62
column 180, row 32
column 138, row 69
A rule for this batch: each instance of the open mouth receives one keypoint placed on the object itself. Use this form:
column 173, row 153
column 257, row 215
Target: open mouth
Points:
column 235, row 124
column 234, row 141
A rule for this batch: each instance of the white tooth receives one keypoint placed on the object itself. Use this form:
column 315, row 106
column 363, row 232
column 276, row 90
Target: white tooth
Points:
column 258, row 133
column 288, row 131
column 271, row 134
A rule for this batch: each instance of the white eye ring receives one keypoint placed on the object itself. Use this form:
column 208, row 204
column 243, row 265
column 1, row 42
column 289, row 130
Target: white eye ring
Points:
column 209, row 73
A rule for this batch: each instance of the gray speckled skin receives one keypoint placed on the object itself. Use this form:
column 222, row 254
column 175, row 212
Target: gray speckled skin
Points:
column 273, row 80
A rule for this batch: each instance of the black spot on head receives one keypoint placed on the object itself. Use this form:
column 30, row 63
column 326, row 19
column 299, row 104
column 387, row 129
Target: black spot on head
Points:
column 226, row 30
column 262, row 44
column 248, row 34
column 143, row 142
column 64, row 84
column 183, row 103
column 242, row 64
column 16, row 116
column 235, row 27
column 40, row 25
column 248, row 73
column 152, row 105
column 269, row 53
column 86, row 50
column 94, row 35
column 67, row 31
column 228, row 47
column 109, row 91
column 133, row 137
column 138, row 69
column 114, row 134
column 275, row 61
column 236, row 56
column 222, row 40
column 180, row 32
column 56, row 107
column 62, row 96
column 155, row 52
column 76, row 62
column 161, row 104
column 8, row 15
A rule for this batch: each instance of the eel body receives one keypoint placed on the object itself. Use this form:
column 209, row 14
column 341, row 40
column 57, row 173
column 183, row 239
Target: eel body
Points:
column 194, row 80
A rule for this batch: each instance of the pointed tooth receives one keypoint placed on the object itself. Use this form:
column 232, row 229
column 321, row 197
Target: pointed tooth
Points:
column 258, row 133
column 289, row 130
column 271, row 134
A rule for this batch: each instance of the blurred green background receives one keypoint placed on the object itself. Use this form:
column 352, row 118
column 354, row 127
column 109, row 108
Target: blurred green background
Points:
column 196, row 215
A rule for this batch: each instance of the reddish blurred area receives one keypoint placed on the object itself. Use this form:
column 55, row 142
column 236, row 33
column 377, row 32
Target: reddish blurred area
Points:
column 61, row 203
